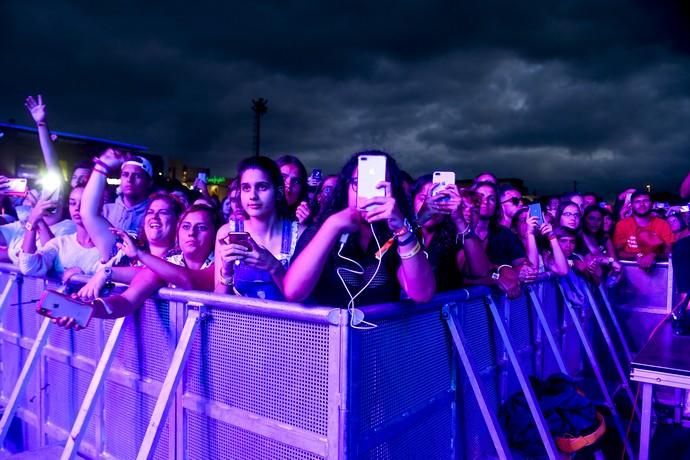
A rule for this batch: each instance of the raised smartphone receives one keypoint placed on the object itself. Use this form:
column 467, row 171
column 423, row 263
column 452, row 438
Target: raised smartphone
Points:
column 535, row 210
column 56, row 305
column 16, row 186
column 441, row 179
column 371, row 170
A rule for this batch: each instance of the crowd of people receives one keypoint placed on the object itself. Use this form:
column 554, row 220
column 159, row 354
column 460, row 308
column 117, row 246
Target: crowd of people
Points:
column 280, row 234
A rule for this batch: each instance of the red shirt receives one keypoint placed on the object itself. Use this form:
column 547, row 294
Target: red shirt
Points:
column 636, row 239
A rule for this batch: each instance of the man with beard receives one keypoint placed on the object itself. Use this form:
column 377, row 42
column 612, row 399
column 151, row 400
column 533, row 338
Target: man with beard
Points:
column 642, row 237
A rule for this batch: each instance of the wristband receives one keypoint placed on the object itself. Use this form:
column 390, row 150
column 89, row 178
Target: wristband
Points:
column 100, row 171
column 40, row 123
column 407, row 240
column 100, row 162
column 415, row 250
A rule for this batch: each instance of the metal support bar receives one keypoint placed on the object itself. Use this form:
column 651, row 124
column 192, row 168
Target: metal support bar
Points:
column 612, row 350
column 24, row 375
column 500, row 443
column 6, row 293
column 616, row 324
column 597, row 372
column 172, row 378
column 646, row 420
column 547, row 330
column 93, row 392
column 525, row 385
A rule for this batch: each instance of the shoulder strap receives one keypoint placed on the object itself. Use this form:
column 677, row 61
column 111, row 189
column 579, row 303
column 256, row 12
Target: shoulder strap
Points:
column 286, row 243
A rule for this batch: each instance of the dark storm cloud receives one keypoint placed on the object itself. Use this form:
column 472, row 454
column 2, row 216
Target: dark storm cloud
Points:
column 596, row 91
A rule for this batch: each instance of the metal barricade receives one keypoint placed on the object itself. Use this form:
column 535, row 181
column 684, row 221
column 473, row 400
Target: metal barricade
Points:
column 198, row 375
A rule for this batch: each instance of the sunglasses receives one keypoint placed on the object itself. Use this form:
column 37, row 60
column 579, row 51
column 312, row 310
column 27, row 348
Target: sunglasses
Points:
column 514, row 200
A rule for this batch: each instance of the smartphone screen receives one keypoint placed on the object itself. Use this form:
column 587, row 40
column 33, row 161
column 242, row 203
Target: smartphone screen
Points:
column 535, row 210
column 55, row 305
column 241, row 238
column 16, row 186
column 201, row 176
column 441, row 179
column 371, row 170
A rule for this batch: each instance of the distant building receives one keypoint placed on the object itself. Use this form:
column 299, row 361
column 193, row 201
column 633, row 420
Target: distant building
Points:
column 186, row 174
column 20, row 152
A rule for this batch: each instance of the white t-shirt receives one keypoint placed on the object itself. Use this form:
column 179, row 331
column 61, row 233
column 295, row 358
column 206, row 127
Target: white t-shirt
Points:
column 14, row 235
column 58, row 254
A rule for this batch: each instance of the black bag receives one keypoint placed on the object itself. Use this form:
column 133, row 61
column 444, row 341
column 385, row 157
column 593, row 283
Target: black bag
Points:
column 568, row 413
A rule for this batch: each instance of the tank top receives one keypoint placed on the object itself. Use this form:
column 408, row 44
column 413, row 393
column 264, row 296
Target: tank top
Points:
column 253, row 282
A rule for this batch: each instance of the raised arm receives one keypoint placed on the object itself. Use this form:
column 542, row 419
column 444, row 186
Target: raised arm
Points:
column 37, row 109
column 305, row 270
column 96, row 225
column 558, row 264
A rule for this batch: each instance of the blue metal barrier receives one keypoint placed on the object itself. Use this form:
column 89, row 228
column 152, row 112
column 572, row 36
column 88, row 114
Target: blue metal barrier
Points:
column 276, row 380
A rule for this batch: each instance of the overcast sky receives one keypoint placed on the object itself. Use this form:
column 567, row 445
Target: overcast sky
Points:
column 550, row 91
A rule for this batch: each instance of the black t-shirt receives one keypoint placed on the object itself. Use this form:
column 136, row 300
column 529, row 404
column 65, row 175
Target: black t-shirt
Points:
column 442, row 255
column 681, row 264
column 329, row 290
column 504, row 246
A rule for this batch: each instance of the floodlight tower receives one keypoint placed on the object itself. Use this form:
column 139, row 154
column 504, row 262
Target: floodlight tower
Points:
column 259, row 107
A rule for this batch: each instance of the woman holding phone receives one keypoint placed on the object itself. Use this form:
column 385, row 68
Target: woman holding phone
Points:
column 189, row 268
column 157, row 237
column 254, row 252
column 337, row 263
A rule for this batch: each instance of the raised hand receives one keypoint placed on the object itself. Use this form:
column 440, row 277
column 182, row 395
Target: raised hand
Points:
column 42, row 209
column 346, row 221
column 383, row 208
column 113, row 158
column 127, row 246
column 303, row 212
column 546, row 229
column 531, row 222
column 4, row 184
column 36, row 108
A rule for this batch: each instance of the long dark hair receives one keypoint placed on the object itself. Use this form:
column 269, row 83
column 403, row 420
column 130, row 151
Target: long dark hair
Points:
column 493, row 221
column 444, row 233
column 294, row 161
column 600, row 234
column 340, row 193
column 271, row 169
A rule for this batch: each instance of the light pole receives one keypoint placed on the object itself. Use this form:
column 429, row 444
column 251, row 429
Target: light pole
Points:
column 259, row 107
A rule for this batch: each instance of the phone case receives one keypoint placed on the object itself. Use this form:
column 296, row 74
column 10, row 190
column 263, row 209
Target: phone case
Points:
column 371, row 169
column 241, row 238
column 16, row 187
column 535, row 210
column 442, row 178
column 55, row 305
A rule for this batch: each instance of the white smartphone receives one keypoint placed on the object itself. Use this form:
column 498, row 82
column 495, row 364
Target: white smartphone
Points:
column 56, row 305
column 16, row 186
column 441, row 179
column 371, row 170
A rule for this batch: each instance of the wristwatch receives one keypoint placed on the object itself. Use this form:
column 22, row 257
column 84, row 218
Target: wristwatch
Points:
column 108, row 272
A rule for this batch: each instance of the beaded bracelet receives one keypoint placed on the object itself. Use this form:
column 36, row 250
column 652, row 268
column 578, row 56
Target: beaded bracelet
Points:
column 415, row 250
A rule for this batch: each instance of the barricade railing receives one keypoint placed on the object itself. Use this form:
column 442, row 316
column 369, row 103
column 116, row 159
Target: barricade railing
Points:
column 201, row 375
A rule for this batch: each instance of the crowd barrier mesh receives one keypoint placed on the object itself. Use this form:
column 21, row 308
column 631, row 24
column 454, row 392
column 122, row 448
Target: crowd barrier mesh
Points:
column 271, row 380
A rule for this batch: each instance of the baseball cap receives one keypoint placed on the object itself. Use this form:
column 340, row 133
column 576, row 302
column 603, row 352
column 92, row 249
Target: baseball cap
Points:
column 142, row 162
